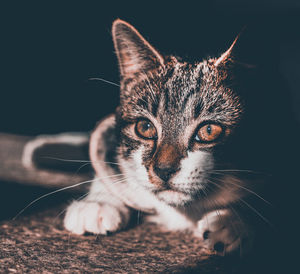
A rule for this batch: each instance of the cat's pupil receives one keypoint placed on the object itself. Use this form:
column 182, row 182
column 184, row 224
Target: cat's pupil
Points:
column 146, row 126
column 208, row 129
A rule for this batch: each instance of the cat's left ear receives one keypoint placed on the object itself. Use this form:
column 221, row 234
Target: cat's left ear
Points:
column 227, row 56
column 227, row 59
column 134, row 53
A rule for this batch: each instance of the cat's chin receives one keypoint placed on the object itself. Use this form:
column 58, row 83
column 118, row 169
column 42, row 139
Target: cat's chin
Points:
column 173, row 197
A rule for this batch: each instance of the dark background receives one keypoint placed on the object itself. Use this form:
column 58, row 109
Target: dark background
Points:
column 49, row 50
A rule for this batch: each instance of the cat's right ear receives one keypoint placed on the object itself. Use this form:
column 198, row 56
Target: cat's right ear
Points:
column 134, row 53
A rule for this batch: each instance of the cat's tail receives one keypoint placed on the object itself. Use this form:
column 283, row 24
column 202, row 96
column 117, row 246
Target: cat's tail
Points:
column 61, row 152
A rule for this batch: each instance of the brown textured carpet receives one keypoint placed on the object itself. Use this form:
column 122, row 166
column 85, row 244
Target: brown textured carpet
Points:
column 38, row 243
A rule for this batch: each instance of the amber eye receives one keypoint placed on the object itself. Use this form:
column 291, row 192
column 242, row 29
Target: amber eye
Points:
column 145, row 129
column 208, row 133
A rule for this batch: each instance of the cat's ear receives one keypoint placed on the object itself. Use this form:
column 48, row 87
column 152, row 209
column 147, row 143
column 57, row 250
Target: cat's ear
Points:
column 134, row 53
column 227, row 56
column 227, row 59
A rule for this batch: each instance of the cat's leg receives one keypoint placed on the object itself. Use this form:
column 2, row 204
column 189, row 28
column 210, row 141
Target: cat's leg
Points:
column 224, row 232
column 101, row 212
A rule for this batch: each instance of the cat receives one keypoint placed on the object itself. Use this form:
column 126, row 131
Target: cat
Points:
column 176, row 148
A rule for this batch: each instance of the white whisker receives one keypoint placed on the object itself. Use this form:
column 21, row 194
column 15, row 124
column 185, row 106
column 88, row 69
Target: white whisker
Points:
column 237, row 170
column 251, row 191
column 50, row 193
column 63, row 211
column 255, row 210
column 61, row 189
column 81, row 167
column 79, row 161
column 247, row 204
column 105, row 81
column 247, row 189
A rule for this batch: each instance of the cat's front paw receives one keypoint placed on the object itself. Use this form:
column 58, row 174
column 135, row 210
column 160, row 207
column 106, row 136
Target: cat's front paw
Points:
column 221, row 231
column 94, row 217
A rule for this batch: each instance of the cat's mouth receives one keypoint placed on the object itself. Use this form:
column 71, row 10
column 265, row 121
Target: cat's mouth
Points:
column 173, row 197
column 165, row 191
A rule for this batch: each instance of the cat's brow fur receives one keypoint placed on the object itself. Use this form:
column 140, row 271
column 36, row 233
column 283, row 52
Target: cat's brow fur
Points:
column 181, row 88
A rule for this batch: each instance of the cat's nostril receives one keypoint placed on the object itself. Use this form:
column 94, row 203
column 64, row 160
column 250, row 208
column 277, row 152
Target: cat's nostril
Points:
column 219, row 247
column 164, row 171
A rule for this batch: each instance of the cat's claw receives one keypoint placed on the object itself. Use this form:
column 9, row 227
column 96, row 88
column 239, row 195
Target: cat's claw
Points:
column 220, row 232
column 94, row 217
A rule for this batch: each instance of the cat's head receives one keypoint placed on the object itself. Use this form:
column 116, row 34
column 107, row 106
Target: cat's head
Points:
column 172, row 117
